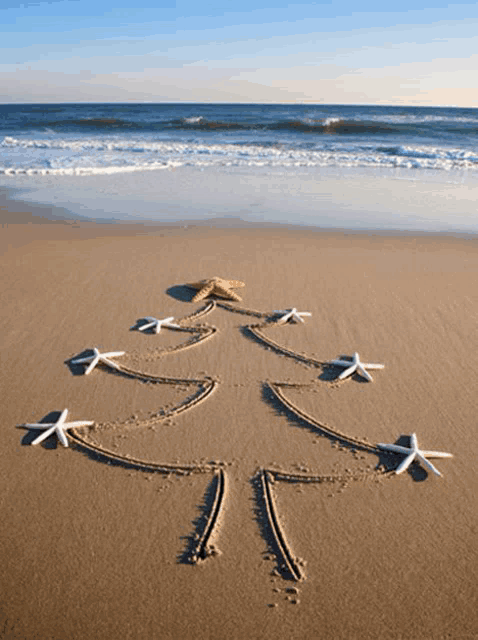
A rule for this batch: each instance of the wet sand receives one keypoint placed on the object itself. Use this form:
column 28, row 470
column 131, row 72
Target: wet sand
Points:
column 231, row 486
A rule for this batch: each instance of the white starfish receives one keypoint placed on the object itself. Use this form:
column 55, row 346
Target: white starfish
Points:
column 59, row 427
column 155, row 324
column 356, row 365
column 291, row 315
column 413, row 452
column 98, row 357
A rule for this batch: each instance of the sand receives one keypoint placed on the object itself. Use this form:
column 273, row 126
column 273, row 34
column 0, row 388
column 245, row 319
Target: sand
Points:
column 306, row 535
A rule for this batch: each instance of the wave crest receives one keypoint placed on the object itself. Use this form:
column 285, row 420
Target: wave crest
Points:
column 99, row 155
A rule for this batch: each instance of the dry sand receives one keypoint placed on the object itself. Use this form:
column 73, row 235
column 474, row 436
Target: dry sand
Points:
column 99, row 547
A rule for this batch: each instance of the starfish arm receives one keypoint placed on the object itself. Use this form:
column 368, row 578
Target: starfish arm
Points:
column 37, row 425
column 61, row 420
column 363, row 372
column 285, row 318
column 303, row 315
column 396, row 448
column 110, row 363
column 437, row 454
column 297, row 317
column 341, row 363
column 81, row 360
column 62, row 436
column 414, row 441
column 93, row 364
column 237, row 284
column 46, row 434
column 405, row 463
column 348, row 372
column 146, row 326
column 226, row 292
column 168, row 322
column 79, row 423
column 368, row 365
column 428, row 464
column 205, row 290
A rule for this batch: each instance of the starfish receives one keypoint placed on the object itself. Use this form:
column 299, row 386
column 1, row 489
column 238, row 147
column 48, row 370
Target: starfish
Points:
column 98, row 357
column 356, row 365
column 155, row 324
column 59, row 427
column 413, row 452
column 218, row 287
column 291, row 315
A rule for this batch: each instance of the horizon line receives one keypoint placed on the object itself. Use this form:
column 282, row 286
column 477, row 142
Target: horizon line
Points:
column 285, row 102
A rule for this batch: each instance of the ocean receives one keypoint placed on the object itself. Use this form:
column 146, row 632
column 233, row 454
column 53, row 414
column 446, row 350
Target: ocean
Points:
column 88, row 139
column 327, row 166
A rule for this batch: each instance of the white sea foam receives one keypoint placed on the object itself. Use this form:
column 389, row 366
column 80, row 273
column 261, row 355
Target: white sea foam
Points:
column 418, row 118
column 328, row 121
column 87, row 171
column 101, row 155
column 193, row 119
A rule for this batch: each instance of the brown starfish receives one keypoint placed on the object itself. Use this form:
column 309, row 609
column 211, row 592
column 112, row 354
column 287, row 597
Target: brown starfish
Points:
column 217, row 287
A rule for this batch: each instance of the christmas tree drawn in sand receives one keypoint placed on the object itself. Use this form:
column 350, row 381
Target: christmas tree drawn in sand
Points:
column 265, row 480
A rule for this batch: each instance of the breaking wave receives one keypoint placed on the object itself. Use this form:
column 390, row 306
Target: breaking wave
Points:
column 82, row 156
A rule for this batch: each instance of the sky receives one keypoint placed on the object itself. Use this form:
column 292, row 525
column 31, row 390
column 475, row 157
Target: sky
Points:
column 337, row 52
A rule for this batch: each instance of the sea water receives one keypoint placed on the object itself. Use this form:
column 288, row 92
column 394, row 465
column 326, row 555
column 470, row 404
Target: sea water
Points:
column 298, row 144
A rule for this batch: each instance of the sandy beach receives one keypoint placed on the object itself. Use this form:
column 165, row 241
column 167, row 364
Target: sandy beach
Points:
column 231, row 485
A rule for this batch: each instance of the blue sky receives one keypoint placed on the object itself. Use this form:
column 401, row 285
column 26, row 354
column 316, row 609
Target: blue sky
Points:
column 332, row 52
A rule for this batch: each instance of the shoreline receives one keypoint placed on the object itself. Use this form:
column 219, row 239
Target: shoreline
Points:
column 368, row 201
column 26, row 222
column 16, row 210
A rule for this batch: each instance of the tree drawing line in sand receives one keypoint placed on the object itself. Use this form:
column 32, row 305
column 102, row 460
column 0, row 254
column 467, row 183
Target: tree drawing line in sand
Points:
column 265, row 480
